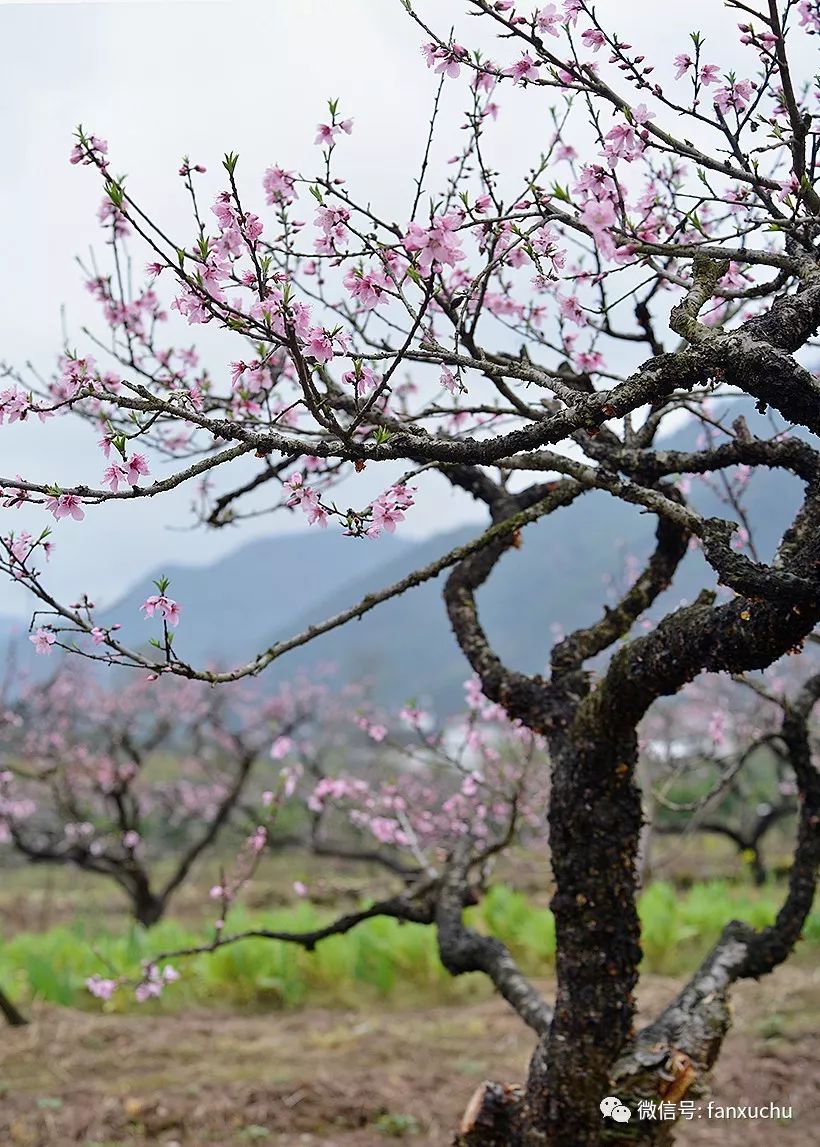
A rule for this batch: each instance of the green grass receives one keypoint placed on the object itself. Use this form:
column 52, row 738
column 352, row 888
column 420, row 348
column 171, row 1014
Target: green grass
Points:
column 380, row 960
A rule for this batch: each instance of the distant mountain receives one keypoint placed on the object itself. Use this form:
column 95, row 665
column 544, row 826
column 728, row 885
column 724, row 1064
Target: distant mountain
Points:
column 556, row 580
column 406, row 645
column 232, row 605
column 275, row 587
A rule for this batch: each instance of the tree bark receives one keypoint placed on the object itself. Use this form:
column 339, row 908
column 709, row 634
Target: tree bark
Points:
column 491, row 1117
column 597, row 932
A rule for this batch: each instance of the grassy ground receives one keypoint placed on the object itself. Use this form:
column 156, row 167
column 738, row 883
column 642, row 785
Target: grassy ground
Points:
column 380, row 961
column 331, row 1078
column 365, row 1041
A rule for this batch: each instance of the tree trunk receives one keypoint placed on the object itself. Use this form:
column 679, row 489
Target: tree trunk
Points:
column 13, row 1017
column 595, row 824
column 148, row 908
column 590, row 1050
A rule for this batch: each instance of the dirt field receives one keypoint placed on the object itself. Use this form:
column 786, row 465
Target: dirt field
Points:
column 328, row 1078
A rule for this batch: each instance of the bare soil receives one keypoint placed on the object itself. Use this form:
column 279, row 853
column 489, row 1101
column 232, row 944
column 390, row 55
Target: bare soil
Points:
column 357, row 1079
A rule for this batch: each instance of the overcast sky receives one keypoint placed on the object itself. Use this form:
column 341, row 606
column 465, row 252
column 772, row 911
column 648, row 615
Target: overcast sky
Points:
column 159, row 79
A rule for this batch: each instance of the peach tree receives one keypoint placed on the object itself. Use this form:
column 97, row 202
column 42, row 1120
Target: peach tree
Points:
column 526, row 337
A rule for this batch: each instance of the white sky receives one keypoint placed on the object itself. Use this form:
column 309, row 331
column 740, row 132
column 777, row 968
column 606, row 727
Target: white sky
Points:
column 160, row 79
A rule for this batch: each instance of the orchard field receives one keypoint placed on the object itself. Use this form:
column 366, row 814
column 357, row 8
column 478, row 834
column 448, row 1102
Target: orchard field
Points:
column 365, row 1041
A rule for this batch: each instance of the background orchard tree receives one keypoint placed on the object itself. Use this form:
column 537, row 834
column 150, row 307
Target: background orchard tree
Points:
column 108, row 780
column 397, row 790
column 716, row 765
column 526, row 336
column 434, row 809
column 116, row 781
